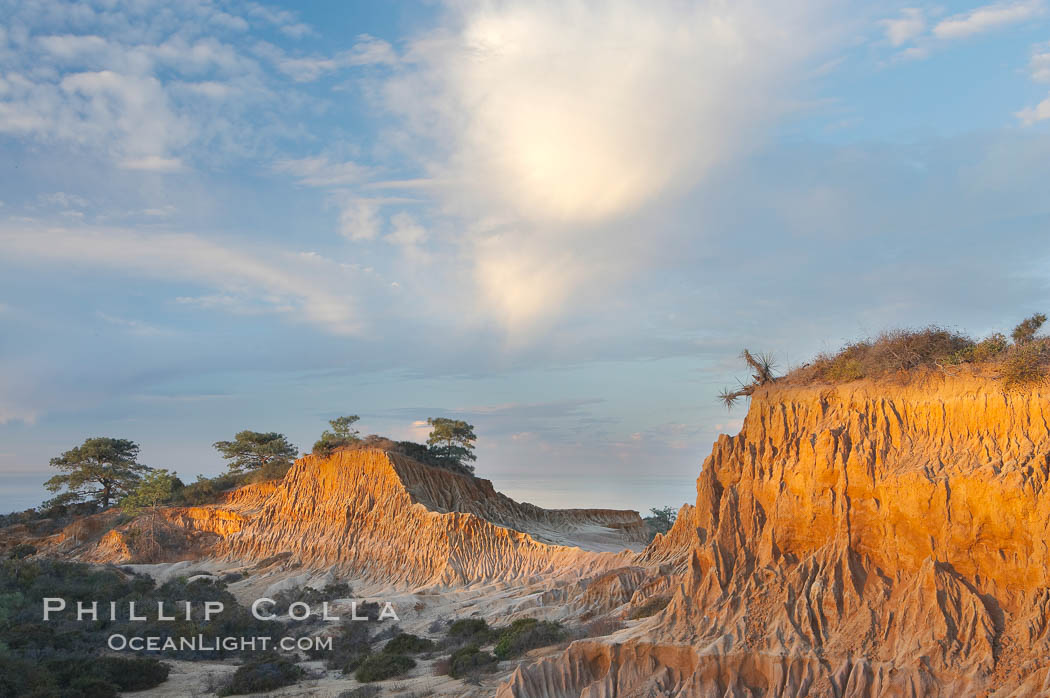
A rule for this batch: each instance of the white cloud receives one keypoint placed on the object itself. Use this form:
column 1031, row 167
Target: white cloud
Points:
column 321, row 172
column 987, row 18
column 544, row 127
column 359, row 219
column 908, row 26
column 134, row 327
column 287, row 22
column 406, row 231
column 367, row 50
column 150, row 90
column 1039, row 68
column 1040, row 112
column 1039, row 63
column 275, row 280
column 298, row 30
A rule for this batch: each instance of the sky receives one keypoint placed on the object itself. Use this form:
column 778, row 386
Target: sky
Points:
column 559, row 221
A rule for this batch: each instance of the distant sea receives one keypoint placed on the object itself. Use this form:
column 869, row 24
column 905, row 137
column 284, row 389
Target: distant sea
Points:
column 597, row 492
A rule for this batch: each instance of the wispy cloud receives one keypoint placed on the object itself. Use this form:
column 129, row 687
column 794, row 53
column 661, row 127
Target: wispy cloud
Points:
column 135, row 327
column 1039, row 63
column 910, row 24
column 987, row 18
column 149, row 91
column 367, row 50
column 321, row 172
column 911, row 29
column 1039, row 70
column 287, row 22
column 273, row 279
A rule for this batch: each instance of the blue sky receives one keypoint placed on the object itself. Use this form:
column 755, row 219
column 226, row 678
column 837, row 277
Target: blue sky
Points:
column 559, row 221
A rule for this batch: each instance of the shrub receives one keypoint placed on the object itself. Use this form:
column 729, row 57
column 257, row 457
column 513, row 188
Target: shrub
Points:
column 893, row 352
column 1025, row 331
column 468, row 627
column 83, row 675
column 526, row 634
column 125, row 673
column 404, row 643
column 650, row 607
column 271, row 471
column 988, row 349
column 21, row 550
column 91, row 687
column 380, row 667
column 349, row 648
column 468, row 631
column 265, row 674
column 844, row 369
column 470, row 660
column 1026, row 365
column 208, row 490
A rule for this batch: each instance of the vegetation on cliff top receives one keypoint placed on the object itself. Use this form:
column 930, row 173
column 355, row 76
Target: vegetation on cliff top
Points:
column 104, row 471
column 1022, row 362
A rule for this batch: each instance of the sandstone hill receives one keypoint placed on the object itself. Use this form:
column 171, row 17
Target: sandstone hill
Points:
column 372, row 515
column 862, row 539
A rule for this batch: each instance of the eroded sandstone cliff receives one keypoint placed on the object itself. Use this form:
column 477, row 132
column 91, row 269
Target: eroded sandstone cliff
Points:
column 865, row 539
column 376, row 516
column 386, row 517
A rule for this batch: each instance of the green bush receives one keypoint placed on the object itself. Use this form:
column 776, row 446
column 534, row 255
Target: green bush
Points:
column 380, row 667
column 470, row 660
column 261, row 675
column 844, row 369
column 526, row 634
column 989, row 348
column 90, row 687
column 21, row 550
column 1025, row 331
column 1026, row 365
column 24, row 584
column 350, row 647
column 404, row 643
column 468, row 628
column 65, row 675
column 125, row 673
column 208, row 490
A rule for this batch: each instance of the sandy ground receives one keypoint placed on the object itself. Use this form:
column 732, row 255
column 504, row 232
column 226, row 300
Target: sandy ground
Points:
column 421, row 612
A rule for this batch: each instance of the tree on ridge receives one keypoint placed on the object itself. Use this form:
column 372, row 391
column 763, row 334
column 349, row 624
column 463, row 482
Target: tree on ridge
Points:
column 102, row 468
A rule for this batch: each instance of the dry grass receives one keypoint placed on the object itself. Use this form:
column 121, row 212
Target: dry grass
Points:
column 901, row 353
column 891, row 352
column 905, row 353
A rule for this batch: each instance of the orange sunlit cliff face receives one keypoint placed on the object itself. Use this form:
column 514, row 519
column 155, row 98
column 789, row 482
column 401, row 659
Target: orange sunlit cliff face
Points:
column 869, row 539
column 866, row 539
